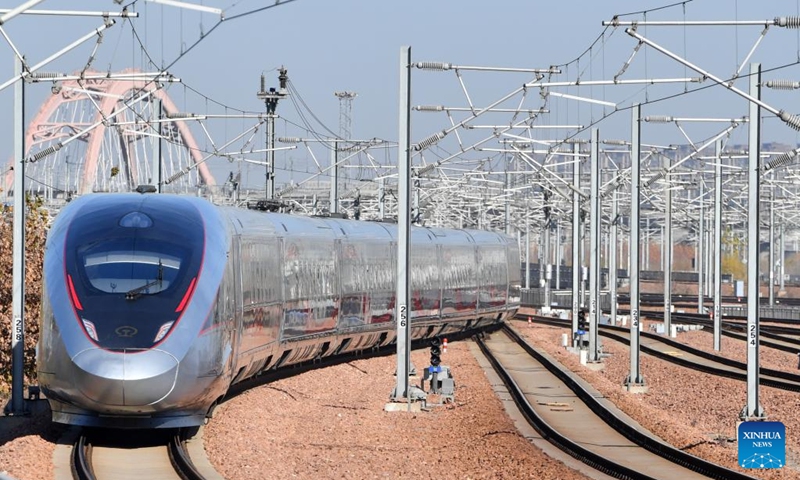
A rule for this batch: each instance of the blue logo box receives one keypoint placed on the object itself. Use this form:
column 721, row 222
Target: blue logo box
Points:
column 762, row 444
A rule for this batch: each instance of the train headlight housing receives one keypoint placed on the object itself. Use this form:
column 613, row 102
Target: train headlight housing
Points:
column 163, row 331
column 89, row 326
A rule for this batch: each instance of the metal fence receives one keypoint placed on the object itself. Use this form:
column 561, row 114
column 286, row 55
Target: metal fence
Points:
column 534, row 297
column 787, row 313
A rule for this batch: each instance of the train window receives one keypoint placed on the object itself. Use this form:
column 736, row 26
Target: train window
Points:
column 125, row 271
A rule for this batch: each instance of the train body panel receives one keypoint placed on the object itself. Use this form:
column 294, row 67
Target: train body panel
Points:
column 156, row 304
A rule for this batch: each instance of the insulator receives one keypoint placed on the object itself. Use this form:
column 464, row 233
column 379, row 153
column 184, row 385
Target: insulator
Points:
column 433, row 66
column 659, row 119
column 429, row 108
column 782, row 84
column 781, row 160
column 290, row 139
column 615, row 142
column 790, row 119
column 426, row 169
column 286, row 190
column 47, row 151
column 180, row 115
column 45, row 75
column 282, row 79
column 175, row 177
column 658, row 176
column 792, row 21
column 263, row 84
column 430, row 140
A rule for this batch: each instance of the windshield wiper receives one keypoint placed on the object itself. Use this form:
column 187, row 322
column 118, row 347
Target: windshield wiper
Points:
column 137, row 292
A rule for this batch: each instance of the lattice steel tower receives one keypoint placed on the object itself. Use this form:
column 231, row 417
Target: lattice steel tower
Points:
column 345, row 113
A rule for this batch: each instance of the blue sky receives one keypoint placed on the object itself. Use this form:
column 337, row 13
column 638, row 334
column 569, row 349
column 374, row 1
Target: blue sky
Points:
column 354, row 45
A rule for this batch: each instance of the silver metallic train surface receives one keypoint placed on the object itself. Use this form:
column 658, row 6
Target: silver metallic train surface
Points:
column 154, row 305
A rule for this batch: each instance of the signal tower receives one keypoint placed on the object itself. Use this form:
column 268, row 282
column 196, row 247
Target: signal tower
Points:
column 345, row 113
column 345, row 130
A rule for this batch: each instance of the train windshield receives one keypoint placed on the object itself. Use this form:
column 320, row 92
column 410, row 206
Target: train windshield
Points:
column 130, row 272
column 119, row 266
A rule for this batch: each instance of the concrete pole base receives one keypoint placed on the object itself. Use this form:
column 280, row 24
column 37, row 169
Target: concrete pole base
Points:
column 635, row 388
column 596, row 366
column 584, row 356
column 415, row 407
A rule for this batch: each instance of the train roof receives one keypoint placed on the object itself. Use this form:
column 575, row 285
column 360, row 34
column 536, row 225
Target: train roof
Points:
column 253, row 222
column 258, row 222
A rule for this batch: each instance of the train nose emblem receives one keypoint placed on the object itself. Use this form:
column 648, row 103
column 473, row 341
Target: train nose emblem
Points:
column 126, row 331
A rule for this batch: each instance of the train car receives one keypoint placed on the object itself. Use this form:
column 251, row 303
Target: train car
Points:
column 154, row 305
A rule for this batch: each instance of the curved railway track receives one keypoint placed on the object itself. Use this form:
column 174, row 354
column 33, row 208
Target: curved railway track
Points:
column 666, row 349
column 95, row 456
column 689, row 301
column 581, row 422
column 766, row 322
column 121, row 460
column 780, row 338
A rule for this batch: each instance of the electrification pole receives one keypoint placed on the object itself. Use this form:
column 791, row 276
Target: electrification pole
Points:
column 667, row 251
column 771, row 265
column 271, row 98
column 612, row 258
column 782, row 259
column 17, row 404
column 700, row 233
column 403, row 288
column 576, row 241
column 546, row 255
column 718, row 246
column 594, row 249
column 635, row 380
column 753, row 409
column 155, row 104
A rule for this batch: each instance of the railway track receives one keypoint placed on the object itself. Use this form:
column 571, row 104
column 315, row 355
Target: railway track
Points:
column 766, row 322
column 582, row 422
column 689, row 301
column 779, row 337
column 98, row 458
column 95, row 456
column 680, row 354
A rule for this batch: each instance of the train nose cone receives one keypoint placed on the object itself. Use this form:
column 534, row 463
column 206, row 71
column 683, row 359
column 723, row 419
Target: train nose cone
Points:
column 129, row 379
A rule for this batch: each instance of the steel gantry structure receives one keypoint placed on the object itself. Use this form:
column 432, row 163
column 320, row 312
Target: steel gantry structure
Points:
column 530, row 161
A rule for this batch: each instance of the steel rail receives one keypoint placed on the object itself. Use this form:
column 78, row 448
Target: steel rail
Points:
column 180, row 459
column 647, row 442
column 731, row 329
column 81, row 460
column 610, row 331
column 571, row 448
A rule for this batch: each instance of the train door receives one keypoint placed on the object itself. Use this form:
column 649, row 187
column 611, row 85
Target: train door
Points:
column 286, row 291
column 235, row 325
column 340, row 305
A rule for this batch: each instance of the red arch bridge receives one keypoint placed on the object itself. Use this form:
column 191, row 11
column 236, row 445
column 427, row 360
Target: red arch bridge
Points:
column 118, row 154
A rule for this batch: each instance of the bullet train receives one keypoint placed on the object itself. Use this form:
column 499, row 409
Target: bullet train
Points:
column 154, row 305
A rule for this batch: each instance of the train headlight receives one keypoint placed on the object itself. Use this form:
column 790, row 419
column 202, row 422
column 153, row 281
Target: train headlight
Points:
column 89, row 326
column 163, row 331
